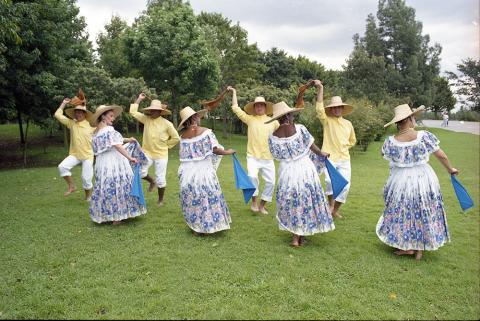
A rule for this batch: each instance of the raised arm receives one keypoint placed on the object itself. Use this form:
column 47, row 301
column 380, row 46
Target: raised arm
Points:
column 243, row 116
column 321, row 114
column 60, row 116
column 134, row 109
column 442, row 157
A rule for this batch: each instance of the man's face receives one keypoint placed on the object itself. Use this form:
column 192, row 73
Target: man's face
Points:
column 260, row 109
column 155, row 113
column 79, row 115
column 337, row 111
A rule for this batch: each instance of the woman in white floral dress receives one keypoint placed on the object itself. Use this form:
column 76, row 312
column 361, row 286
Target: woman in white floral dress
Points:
column 414, row 218
column 111, row 200
column 302, row 207
column 201, row 198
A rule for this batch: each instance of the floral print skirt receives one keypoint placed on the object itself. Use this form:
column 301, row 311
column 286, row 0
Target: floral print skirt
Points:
column 201, row 198
column 111, row 199
column 414, row 217
column 302, row 207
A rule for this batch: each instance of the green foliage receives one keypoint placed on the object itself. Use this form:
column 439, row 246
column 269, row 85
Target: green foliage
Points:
column 167, row 46
column 280, row 68
column 467, row 84
column 442, row 96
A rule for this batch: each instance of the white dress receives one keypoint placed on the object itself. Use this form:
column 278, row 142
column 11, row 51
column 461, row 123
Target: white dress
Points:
column 302, row 207
column 201, row 198
column 111, row 199
column 414, row 217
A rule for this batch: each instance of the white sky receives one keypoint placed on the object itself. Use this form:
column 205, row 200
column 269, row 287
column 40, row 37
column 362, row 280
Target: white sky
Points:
column 322, row 30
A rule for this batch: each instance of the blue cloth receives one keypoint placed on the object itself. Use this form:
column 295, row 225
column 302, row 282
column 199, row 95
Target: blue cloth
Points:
column 338, row 181
column 463, row 198
column 242, row 181
column 136, row 190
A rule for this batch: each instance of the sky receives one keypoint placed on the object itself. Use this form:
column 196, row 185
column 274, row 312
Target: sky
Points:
column 321, row 30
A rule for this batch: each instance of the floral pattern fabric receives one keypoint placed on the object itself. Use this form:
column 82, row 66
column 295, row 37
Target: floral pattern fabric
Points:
column 111, row 199
column 203, row 204
column 414, row 216
column 302, row 207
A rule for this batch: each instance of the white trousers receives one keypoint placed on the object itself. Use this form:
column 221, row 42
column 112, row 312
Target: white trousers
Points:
column 160, row 171
column 87, row 169
column 267, row 170
column 343, row 166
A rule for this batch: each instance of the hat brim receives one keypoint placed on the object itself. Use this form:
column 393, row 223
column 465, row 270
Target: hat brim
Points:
column 201, row 113
column 397, row 119
column 71, row 112
column 250, row 108
column 347, row 109
column 117, row 111
column 293, row 111
column 163, row 112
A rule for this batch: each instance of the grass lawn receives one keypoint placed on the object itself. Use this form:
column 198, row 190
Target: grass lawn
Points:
column 57, row 264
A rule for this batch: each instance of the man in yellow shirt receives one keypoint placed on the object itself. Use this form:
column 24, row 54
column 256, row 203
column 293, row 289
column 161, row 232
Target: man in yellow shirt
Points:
column 338, row 138
column 259, row 158
column 159, row 136
column 80, row 144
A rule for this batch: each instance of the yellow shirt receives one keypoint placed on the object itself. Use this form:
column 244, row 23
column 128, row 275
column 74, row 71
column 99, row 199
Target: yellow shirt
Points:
column 158, row 134
column 80, row 136
column 338, row 134
column 257, row 133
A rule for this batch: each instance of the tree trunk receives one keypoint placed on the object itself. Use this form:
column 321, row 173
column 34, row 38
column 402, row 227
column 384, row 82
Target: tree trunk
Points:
column 224, row 116
column 20, row 126
column 25, row 145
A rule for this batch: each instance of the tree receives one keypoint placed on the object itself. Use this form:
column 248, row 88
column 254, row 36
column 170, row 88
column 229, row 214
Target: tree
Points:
column 467, row 84
column 280, row 68
column 442, row 96
column 167, row 47
column 52, row 37
column 111, row 48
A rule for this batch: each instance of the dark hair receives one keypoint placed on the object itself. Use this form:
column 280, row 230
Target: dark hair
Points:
column 403, row 120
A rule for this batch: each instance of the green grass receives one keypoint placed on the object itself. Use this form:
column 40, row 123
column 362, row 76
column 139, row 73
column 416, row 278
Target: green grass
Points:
column 57, row 264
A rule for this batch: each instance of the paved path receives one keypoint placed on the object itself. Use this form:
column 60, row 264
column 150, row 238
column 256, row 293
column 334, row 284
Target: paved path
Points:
column 455, row 125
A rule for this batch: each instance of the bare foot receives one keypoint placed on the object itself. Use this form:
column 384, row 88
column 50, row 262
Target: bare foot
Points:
column 151, row 187
column 403, row 252
column 295, row 241
column 302, row 240
column 160, row 203
column 263, row 210
column 254, row 208
column 418, row 255
column 70, row 190
column 116, row 222
column 336, row 215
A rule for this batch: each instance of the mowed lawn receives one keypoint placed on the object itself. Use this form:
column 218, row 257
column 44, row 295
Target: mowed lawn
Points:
column 57, row 264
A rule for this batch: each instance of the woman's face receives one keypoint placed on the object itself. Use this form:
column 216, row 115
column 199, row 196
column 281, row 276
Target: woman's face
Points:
column 108, row 118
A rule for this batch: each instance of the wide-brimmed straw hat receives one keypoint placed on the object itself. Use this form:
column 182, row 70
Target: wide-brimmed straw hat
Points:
column 188, row 112
column 157, row 105
column 336, row 101
column 402, row 112
column 117, row 110
column 250, row 107
column 281, row 109
column 71, row 111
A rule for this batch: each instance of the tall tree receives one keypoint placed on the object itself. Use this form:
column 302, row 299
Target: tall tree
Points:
column 442, row 96
column 111, row 48
column 467, row 83
column 168, row 48
column 280, row 68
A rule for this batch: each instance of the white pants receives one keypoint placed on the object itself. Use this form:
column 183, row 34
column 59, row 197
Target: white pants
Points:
column 343, row 166
column 267, row 170
column 87, row 169
column 160, row 171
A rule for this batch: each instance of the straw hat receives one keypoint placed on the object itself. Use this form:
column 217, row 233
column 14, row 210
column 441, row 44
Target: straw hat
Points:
column 402, row 112
column 336, row 101
column 157, row 105
column 71, row 111
column 250, row 107
column 117, row 110
column 188, row 112
column 280, row 109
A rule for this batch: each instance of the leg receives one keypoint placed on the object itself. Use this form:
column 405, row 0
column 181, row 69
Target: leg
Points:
column 252, row 169
column 145, row 176
column 343, row 168
column 418, row 255
column 87, row 175
column 295, row 240
column 268, row 174
column 404, row 252
column 64, row 168
column 161, row 181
